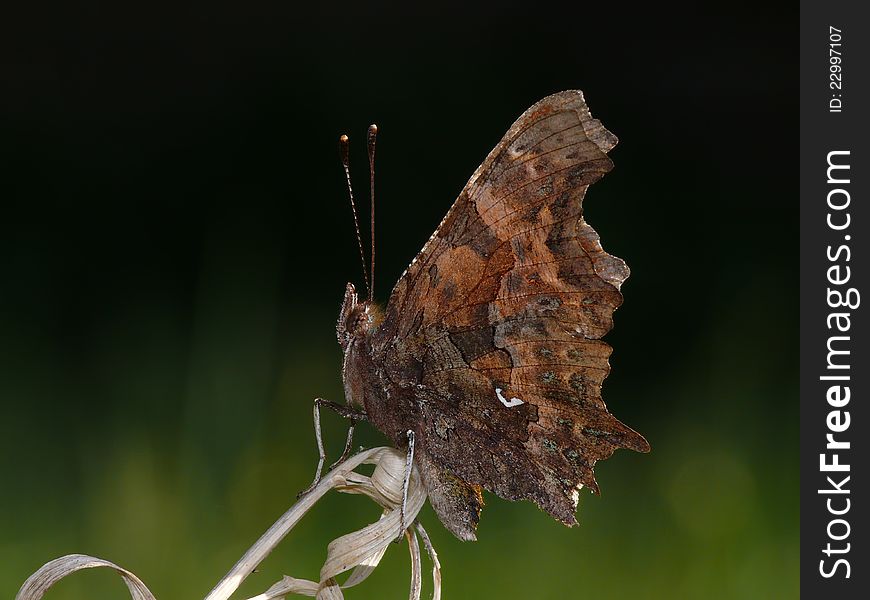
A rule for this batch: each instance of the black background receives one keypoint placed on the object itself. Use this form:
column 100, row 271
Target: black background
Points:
column 175, row 231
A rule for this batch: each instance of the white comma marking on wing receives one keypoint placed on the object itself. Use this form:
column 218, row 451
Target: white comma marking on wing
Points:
column 508, row 403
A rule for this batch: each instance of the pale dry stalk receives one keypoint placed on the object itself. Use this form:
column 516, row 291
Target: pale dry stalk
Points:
column 358, row 552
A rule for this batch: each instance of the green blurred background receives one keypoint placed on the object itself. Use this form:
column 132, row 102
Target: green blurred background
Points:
column 176, row 239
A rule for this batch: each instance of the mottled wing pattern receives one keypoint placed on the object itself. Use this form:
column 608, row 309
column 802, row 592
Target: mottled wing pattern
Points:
column 492, row 334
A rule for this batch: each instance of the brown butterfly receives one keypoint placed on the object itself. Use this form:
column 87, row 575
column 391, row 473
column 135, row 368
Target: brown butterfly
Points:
column 487, row 362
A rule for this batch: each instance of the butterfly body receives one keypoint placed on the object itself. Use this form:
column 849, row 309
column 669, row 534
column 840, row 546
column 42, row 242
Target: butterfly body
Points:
column 489, row 347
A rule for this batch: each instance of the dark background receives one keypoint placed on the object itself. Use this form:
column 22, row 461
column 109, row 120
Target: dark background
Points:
column 175, row 240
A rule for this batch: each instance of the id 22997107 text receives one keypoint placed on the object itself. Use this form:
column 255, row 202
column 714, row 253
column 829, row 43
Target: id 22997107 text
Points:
column 835, row 76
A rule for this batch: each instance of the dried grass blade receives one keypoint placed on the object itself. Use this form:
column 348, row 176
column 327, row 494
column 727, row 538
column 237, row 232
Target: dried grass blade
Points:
column 436, row 564
column 350, row 550
column 330, row 590
column 416, row 567
column 55, row 570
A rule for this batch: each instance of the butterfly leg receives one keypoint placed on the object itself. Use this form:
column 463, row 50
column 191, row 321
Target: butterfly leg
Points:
column 347, row 445
column 409, row 466
column 345, row 411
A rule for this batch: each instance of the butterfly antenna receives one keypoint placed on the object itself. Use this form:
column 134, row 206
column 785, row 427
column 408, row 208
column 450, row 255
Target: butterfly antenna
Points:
column 372, row 138
column 343, row 148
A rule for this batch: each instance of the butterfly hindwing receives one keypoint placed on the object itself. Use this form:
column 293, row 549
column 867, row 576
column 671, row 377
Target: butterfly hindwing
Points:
column 492, row 335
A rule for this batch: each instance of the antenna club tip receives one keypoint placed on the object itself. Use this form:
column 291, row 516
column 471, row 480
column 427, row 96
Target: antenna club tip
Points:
column 373, row 128
column 343, row 139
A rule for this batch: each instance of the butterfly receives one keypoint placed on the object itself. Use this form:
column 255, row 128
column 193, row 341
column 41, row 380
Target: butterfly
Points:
column 487, row 361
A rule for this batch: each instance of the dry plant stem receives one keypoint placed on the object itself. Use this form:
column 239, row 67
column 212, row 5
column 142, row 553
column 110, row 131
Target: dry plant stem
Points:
column 433, row 556
column 416, row 567
column 359, row 552
column 273, row 536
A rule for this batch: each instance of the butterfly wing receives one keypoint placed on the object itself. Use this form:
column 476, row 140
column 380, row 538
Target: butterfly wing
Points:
column 492, row 335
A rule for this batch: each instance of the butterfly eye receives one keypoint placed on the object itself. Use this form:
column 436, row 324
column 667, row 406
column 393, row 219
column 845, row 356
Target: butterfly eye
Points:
column 358, row 322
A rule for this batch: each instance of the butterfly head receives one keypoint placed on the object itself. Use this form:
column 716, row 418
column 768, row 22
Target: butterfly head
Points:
column 356, row 319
